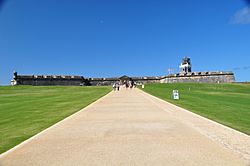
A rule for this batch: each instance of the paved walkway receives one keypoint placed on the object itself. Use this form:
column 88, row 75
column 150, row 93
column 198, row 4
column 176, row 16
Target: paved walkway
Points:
column 131, row 127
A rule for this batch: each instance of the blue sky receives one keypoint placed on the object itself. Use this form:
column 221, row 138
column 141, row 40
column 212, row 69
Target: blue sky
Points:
column 106, row 38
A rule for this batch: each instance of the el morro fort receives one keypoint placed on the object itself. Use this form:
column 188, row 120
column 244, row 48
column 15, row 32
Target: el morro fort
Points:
column 185, row 75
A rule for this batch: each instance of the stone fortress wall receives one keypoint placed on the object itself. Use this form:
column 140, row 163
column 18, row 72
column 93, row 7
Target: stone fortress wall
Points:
column 61, row 80
column 200, row 77
column 111, row 81
column 47, row 80
column 185, row 75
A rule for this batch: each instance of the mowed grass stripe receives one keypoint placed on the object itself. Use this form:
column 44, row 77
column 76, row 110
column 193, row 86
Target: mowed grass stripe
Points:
column 27, row 110
column 228, row 104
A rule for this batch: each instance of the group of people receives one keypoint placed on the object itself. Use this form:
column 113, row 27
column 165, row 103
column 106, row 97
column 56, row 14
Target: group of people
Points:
column 116, row 86
column 130, row 84
column 126, row 84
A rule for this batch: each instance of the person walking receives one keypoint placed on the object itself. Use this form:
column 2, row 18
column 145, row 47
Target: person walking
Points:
column 114, row 86
column 127, row 85
column 132, row 84
column 117, row 86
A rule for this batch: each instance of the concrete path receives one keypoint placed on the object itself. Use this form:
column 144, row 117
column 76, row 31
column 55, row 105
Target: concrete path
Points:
column 131, row 127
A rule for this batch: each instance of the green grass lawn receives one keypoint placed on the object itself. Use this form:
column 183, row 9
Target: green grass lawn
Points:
column 27, row 110
column 228, row 104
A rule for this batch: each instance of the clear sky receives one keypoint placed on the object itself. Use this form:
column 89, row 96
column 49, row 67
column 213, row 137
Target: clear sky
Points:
column 106, row 38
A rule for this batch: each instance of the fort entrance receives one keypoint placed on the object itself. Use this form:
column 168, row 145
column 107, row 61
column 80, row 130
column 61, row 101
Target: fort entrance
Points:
column 125, row 79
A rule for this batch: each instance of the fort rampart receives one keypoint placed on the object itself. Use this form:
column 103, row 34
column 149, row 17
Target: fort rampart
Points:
column 200, row 77
column 60, row 80
column 185, row 75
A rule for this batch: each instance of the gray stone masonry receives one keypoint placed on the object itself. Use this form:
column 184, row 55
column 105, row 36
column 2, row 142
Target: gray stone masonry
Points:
column 60, row 80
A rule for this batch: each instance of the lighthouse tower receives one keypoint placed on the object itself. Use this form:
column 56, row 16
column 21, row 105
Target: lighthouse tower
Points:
column 186, row 66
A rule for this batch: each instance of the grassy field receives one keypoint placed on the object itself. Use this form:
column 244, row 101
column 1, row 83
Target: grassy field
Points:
column 228, row 104
column 27, row 110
